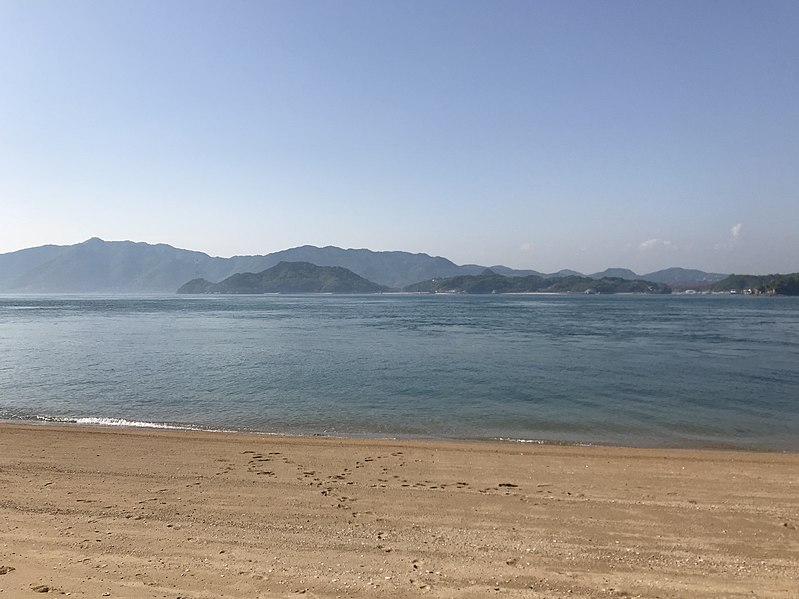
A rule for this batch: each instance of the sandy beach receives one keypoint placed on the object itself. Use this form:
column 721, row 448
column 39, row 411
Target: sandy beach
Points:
column 92, row 512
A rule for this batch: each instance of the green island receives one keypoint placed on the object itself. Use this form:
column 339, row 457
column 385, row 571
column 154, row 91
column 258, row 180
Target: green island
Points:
column 490, row 282
column 304, row 277
column 288, row 277
column 787, row 284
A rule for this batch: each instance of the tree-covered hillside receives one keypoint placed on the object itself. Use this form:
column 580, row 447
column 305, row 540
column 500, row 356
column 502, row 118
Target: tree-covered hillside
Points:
column 288, row 277
column 491, row 282
column 760, row 284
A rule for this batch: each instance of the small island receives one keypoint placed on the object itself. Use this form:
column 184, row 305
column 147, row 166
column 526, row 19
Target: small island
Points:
column 287, row 277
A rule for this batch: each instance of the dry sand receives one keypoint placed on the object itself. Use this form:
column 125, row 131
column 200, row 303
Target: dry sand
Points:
column 99, row 512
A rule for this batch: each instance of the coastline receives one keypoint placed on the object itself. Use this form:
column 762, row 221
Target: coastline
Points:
column 162, row 513
column 632, row 442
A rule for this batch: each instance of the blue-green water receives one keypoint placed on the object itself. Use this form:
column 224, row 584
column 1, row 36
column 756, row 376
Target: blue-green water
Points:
column 673, row 371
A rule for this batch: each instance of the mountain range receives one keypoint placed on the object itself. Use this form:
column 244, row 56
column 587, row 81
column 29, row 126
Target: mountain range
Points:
column 97, row 266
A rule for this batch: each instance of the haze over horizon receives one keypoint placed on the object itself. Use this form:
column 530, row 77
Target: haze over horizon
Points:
column 211, row 255
column 541, row 135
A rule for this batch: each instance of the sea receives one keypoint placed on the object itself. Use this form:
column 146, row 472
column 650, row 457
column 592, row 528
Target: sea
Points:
column 655, row 371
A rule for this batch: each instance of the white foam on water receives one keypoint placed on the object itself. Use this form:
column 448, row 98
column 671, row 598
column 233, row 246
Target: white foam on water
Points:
column 130, row 423
column 55, row 419
column 534, row 441
column 122, row 422
column 97, row 421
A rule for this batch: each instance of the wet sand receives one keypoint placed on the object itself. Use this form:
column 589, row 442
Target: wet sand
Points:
column 146, row 514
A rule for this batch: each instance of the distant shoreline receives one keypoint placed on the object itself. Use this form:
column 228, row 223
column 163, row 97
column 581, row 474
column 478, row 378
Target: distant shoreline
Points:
column 168, row 294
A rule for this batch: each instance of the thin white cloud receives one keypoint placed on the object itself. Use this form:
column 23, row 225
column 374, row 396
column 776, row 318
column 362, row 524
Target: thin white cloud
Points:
column 527, row 246
column 729, row 244
column 654, row 244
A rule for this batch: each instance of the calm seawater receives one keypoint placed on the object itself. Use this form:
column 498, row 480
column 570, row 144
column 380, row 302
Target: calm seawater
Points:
column 636, row 370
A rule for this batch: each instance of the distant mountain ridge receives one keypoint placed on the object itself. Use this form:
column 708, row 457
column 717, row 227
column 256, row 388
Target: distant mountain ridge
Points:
column 615, row 273
column 669, row 276
column 97, row 266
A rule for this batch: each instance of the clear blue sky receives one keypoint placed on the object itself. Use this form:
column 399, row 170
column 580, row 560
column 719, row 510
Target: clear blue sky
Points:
column 545, row 135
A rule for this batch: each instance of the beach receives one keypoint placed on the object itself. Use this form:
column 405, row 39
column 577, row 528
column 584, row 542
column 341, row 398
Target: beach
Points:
column 94, row 512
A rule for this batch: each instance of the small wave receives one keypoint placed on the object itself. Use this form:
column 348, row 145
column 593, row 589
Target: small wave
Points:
column 131, row 423
column 98, row 421
column 545, row 442
column 55, row 419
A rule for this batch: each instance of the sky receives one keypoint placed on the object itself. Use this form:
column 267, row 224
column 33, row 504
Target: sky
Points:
column 534, row 134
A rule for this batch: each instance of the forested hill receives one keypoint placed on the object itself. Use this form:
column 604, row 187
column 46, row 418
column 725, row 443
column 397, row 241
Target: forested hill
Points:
column 288, row 277
column 760, row 284
column 491, row 282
